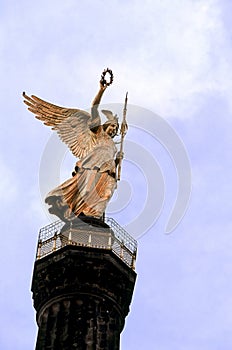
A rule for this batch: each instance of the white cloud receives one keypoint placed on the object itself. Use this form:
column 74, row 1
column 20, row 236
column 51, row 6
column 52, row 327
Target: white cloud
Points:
column 174, row 60
column 165, row 53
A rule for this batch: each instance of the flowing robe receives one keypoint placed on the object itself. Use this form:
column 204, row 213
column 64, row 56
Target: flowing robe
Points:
column 92, row 186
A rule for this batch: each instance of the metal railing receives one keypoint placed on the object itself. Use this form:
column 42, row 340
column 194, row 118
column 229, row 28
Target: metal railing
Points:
column 57, row 235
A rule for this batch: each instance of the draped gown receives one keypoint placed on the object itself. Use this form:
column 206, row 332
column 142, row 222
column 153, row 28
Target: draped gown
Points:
column 92, row 186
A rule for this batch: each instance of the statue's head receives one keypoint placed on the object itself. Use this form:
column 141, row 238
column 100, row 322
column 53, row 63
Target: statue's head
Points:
column 111, row 125
column 111, row 128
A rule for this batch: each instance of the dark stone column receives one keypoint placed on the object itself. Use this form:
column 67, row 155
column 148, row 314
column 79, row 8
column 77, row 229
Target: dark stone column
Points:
column 81, row 296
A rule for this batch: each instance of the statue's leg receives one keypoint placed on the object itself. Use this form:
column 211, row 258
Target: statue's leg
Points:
column 98, row 199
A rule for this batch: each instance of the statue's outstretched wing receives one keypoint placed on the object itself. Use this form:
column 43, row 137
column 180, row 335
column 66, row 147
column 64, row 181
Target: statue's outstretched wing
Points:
column 72, row 125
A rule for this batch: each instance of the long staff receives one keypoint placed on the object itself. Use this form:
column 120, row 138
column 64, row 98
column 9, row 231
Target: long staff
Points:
column 123, row 131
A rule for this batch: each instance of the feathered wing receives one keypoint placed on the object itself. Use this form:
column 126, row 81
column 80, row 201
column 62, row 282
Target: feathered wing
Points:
column 72, row 125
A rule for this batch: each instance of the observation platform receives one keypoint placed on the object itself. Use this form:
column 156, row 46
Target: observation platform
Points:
column 107, row 235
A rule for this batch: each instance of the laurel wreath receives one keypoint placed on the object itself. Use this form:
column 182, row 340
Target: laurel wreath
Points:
column 104, row 82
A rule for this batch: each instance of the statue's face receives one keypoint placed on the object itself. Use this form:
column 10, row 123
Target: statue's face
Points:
column 112, row 129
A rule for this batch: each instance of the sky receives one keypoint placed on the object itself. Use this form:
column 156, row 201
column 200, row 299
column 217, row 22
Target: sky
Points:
column 174, row 59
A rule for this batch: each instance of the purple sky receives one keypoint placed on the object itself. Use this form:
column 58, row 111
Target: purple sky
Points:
column 174, row 58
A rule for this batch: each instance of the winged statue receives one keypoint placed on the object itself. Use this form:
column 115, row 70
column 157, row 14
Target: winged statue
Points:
column 93, row 181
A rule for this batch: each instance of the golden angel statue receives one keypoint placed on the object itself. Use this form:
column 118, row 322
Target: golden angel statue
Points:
column 93, row 182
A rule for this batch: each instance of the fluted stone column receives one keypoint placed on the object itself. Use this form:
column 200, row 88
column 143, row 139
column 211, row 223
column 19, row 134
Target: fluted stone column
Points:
column 81, row 296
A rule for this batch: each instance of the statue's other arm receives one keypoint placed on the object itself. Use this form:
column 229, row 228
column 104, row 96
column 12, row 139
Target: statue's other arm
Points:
column 96, row 120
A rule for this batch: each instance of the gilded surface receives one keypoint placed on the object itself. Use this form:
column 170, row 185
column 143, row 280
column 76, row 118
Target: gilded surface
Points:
column 94, row 179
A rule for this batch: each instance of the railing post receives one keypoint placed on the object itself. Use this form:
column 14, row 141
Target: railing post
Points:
column 121, row 251
column 133, row 262
column 70, row 234
column 54, row 241
column 70, row 237
column 39, row 250
column 90, row 240
column 109, row 241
